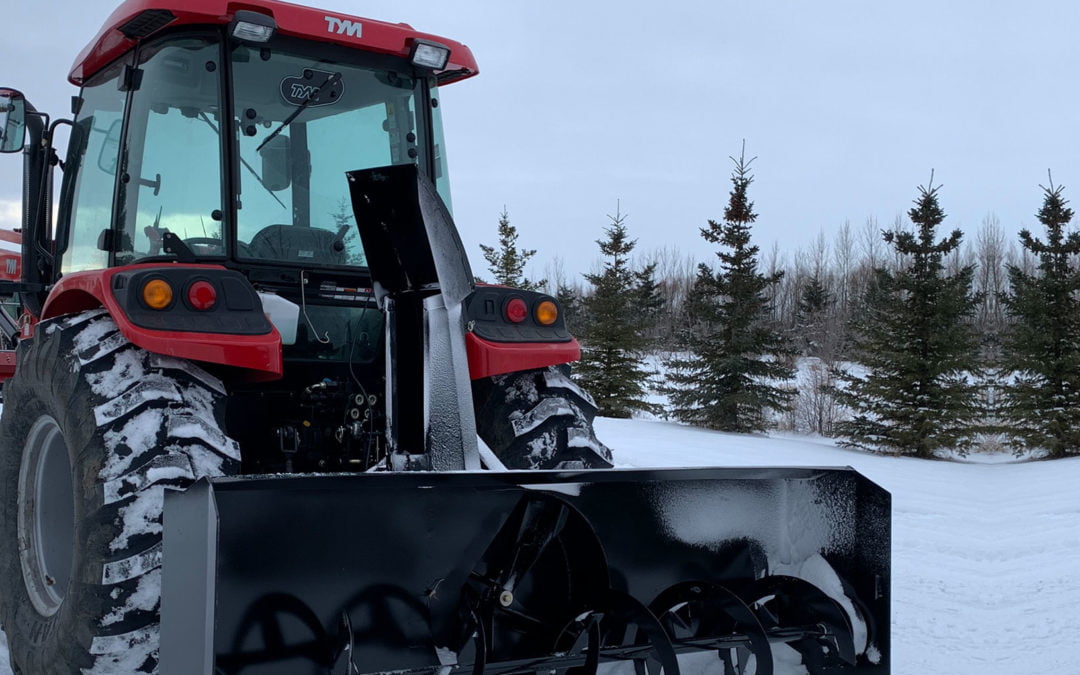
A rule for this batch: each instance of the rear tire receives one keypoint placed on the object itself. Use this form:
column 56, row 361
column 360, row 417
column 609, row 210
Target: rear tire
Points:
column 94, row 430
column 538, row 419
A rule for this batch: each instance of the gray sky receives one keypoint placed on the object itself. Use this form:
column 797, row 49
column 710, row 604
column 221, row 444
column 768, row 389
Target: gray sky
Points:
column 847, row 105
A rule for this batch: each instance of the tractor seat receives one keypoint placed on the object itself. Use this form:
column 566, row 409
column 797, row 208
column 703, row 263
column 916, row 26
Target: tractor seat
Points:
column 297, row 244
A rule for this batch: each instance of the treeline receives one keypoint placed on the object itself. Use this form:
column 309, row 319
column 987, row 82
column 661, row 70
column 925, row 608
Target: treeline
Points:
column 896, row 339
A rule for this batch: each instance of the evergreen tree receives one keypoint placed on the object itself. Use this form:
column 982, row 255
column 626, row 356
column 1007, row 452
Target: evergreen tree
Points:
column 569, row 299
column 343, row 218
column 613, row 336
column 812, row 319
column 507, row 262
column 727, row 383
column 917, row 346
column 1042, row 343
column 649, row 304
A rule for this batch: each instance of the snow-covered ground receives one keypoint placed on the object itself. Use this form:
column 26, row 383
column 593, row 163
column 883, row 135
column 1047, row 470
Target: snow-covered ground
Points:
column 986, row 555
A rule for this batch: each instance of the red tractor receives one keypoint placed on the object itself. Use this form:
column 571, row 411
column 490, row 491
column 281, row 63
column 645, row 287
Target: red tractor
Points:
column 252, row 368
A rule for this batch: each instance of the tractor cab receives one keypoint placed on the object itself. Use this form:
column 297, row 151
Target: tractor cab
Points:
column 240, row 150
column 213, row 135
column 229, row 145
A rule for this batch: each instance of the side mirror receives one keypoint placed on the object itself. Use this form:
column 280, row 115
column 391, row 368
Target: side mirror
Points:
column 276, row 156
column 110, row 149
column 12, row 120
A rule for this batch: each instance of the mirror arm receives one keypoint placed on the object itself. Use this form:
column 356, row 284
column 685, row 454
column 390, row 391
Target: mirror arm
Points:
column 59, row 229
column 45, row 254
column 156, row 183
column 52, row 134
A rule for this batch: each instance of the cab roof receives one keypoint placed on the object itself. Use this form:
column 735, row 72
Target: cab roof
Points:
column 136, row 20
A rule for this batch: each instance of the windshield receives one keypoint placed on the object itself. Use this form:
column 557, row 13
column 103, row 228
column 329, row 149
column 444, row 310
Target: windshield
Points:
column 302, row 123
column 302, row 114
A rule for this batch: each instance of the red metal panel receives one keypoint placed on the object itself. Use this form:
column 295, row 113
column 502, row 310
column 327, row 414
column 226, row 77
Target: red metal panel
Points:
column 260, row 355
column 495, row 358
column 10, row 255
column 295, row 20
column 7, row 364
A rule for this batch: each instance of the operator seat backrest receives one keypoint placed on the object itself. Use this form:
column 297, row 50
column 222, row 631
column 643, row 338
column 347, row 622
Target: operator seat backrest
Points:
column 297, row 244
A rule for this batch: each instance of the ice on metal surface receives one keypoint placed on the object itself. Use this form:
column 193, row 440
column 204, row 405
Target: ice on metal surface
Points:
column 820, row 573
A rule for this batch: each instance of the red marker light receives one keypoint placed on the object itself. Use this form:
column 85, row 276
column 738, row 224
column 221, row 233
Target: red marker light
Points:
column 201, row 295
column 516, row 310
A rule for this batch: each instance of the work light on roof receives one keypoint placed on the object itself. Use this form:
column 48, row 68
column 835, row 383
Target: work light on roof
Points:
column 430, row 54
column 252, row 27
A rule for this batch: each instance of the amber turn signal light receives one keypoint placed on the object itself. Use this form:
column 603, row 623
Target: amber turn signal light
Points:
column 157, row 294
column 547, row 313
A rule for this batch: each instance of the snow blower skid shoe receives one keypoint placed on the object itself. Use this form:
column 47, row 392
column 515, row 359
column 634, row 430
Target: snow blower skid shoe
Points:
column 727, row 570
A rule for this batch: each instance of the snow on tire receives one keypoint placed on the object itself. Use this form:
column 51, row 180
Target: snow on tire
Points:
column 538, row 419
column 94, row 430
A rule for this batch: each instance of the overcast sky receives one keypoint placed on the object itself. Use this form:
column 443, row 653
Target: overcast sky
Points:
column 580, row 105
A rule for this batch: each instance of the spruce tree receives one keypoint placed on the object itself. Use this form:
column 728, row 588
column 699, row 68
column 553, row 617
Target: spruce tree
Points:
column 812, row 319
column 569, row 299
column 613, row 334
column 728, row 380
column 507, row 262
column 1042, row 342
column 917, row 346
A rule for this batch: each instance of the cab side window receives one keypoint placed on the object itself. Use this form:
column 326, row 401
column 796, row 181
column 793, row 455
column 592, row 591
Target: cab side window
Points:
column 92, row 156
column 171, row 167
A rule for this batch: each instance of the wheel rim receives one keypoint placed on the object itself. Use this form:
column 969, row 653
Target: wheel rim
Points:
column 46, row 516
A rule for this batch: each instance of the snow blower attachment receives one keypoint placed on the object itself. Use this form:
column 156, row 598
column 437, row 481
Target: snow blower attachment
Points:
column 743, row 570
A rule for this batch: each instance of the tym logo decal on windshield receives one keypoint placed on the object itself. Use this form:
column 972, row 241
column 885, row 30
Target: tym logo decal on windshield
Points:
column 312, row 88
column 343, row 26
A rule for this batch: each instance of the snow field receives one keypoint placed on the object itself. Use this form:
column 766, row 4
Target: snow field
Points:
column 986, row 556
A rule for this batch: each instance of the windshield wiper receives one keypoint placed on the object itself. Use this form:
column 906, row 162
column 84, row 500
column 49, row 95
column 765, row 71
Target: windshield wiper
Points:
column 246, row 165
column 332, row 78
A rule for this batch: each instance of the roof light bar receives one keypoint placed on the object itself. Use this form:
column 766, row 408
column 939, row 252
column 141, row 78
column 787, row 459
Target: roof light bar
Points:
column 250, row 26
column 429, row 54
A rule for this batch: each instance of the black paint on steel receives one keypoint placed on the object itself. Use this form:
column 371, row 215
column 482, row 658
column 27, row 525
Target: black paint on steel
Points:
column 37, row 264
column 414, row 253
column 408, row 235
column 506, row 569
column 146, row 23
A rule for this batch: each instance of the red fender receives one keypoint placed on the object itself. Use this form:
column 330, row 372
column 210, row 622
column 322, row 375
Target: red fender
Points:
column 259, row 355
column 488, row 358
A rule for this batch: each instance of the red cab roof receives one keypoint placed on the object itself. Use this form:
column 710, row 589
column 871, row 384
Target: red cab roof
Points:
column 296, row 20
